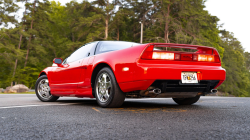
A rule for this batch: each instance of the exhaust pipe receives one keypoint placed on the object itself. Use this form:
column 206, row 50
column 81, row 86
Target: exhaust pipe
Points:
column 155, row 91
column 214, row 91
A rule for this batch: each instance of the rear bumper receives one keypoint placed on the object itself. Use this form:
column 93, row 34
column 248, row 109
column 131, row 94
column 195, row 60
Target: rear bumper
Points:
column 168, row 78
column 203, row 86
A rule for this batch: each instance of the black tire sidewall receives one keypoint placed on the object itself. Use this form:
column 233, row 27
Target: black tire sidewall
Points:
column 186, row 101
column 111, row 75
column 52, row 98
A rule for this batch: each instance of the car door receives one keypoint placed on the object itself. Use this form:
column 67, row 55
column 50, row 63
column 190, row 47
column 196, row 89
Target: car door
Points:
column 66, row 78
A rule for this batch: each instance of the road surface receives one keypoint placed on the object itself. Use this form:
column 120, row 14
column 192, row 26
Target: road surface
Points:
column 25, row 117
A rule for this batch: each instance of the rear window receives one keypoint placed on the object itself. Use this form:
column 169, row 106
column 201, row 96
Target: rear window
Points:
column 174, row 48
column 107, row 46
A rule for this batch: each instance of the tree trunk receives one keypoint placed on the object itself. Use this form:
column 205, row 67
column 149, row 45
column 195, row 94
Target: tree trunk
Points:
column 107, row 22
column 141, row 40
column 166, row 31
column 106, row 28
column 118, row 34
column 19, row 46
column 31, row 26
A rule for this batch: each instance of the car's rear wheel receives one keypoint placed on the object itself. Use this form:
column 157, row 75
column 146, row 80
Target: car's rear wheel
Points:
column 43, row 90
column 107, row 91
column 186, row 101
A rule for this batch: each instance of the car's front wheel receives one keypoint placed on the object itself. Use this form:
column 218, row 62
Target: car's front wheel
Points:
column 43, row 90
column 186, row 101
column 107, row 91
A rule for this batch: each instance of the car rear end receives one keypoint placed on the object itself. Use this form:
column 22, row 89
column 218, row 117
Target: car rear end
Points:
column 178, row 69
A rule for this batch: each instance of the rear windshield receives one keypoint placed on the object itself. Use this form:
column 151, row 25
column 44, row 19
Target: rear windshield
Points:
column 174, row 48
column 107, row 46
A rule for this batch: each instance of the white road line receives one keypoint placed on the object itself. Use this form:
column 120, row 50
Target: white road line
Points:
column 6, row 107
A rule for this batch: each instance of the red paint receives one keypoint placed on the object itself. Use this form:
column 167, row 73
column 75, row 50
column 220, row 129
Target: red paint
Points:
column 74, row 79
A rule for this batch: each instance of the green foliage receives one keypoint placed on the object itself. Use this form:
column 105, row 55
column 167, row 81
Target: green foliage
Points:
column 235, row 62
column 50, row 30
column 28, row 76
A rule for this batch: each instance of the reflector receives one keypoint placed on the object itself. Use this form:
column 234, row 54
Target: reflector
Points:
column 177, row 56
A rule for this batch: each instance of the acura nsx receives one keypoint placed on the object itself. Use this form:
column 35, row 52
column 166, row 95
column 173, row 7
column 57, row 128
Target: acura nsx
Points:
column 112, row 70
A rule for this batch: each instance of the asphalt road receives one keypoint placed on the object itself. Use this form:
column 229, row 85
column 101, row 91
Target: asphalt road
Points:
column 25, row 117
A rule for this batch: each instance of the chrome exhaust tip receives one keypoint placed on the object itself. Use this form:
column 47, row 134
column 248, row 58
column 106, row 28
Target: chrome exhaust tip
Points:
column 155, row 91
column 214, row 91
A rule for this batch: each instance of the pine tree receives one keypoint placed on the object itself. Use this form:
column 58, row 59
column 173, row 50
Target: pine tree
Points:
column 7, row 40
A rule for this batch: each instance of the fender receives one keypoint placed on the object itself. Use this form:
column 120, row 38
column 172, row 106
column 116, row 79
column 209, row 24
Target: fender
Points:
column 47, row 71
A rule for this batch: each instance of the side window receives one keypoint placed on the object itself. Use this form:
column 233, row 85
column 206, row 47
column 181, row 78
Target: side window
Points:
column 81, row 53
column 64, row 61
column 107, row 46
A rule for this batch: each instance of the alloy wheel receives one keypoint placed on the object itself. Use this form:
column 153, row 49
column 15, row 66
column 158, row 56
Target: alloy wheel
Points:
column 44, row 89
column 103, row 87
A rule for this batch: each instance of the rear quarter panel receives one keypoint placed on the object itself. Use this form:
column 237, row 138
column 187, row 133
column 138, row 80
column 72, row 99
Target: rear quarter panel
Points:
column 120, row 59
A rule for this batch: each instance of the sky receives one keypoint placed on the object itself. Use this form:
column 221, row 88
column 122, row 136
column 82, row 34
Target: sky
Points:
column 233, row 14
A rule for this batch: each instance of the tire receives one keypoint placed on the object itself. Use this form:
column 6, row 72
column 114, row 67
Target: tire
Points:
column 43, row 90
column 186, row 101
column 106, row 89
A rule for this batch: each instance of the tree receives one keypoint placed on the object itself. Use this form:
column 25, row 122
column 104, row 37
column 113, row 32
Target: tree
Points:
column 237, row 78
column 108, row 11
column 7, row 41
column 50, row 30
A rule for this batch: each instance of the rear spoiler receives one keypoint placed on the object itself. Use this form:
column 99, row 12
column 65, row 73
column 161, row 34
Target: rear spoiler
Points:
column 200, row 49
column 203, row 53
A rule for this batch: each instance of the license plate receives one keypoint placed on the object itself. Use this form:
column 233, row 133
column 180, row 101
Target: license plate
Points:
column 189, row 77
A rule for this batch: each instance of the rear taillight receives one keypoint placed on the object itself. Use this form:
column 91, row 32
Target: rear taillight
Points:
column 206, row 58
column 163, row 55
column 216, row 59
column 150, row 53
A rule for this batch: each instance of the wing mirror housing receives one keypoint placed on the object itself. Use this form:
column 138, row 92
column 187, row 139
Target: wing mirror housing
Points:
column 58, row 61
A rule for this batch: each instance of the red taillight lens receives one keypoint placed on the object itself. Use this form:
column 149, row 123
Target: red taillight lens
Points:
column 216, row 59
column 186, row 57
column 148, row 53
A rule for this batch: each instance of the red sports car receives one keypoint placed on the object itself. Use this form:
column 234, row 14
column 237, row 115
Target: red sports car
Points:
column 112, row 70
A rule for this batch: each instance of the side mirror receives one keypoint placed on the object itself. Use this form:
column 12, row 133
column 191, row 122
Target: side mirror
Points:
column 58, row 61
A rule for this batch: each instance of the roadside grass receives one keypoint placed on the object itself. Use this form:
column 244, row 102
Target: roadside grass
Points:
column 19, row 93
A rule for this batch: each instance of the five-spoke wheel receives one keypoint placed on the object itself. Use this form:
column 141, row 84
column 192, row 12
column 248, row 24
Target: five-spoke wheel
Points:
column 107, row 91
column 43, row 90
column 103, row 87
